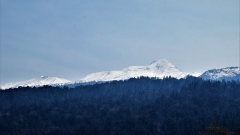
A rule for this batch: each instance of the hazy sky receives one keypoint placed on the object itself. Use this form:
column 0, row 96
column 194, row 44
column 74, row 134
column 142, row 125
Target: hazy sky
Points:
column 71, row 39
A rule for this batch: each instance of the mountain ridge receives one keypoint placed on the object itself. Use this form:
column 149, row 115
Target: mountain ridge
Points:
column 227, row 73
column 158, row 69
column 37, row 82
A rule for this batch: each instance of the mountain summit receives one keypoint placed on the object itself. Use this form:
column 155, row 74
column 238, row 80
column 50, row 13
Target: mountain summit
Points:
column 228, row 73
column 37, row 82
column 160, row 68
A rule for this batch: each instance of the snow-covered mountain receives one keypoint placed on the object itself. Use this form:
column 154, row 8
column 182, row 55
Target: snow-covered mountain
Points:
column 159, row 69
column 228, row 73
column 40, row 81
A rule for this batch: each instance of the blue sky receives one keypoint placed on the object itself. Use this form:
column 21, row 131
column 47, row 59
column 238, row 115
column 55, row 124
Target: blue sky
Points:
column 72, row 39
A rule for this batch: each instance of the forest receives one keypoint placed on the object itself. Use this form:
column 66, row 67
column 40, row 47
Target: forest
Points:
column 138, row 106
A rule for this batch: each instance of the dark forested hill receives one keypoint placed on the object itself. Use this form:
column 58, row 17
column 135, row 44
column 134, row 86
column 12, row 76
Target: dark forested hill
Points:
column 142, row 106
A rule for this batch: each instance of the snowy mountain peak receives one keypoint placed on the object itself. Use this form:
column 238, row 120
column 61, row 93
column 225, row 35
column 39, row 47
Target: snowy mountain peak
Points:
column 163, row 65
column 160, row 68
column 39, row 81
column 161, row 61
column 228, row 73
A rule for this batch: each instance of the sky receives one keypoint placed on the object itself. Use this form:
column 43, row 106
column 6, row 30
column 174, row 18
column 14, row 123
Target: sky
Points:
column 71, row 39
